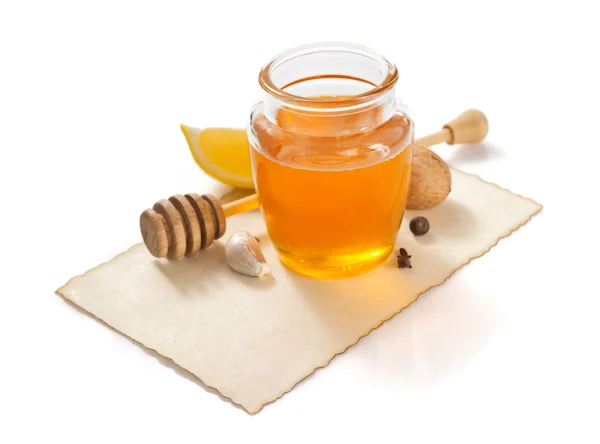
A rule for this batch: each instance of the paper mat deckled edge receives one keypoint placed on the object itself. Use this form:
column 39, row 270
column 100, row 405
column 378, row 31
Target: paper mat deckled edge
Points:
column 235, row 193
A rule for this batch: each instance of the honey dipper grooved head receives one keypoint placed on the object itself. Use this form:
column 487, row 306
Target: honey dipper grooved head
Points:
column 182, row 225
column 154, row 232
column 218, row 214
column 175, row 228
column 191, row 224
column 204, row 217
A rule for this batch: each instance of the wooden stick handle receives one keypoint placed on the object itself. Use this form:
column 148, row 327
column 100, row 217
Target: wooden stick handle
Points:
column 470, row 127
column 441, row 136
column 247, row 203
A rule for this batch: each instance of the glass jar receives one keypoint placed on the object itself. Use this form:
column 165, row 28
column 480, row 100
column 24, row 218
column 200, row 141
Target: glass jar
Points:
column 331, row 158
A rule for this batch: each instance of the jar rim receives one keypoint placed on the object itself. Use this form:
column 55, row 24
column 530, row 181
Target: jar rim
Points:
column 390, row 75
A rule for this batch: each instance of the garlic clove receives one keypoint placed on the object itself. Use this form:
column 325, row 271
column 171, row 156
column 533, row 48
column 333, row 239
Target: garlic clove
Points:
column 264, row 270
column 244, row 255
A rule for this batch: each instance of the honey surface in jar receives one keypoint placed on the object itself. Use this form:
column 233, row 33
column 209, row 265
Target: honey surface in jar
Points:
column 332, row 203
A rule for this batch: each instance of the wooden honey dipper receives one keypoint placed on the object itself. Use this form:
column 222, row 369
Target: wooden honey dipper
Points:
column 185, row 224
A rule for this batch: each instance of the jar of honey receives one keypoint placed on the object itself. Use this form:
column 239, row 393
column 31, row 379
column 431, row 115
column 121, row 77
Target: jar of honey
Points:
column 331, row 158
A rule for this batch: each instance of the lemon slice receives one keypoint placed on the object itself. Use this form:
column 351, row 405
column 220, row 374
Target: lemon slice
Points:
column 222, row 153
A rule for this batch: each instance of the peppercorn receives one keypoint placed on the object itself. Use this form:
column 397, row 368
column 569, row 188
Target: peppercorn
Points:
column 404, row 259
column 419, row 225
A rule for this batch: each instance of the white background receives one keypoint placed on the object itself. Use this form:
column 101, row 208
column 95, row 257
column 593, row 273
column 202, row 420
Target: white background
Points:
column 91, row 98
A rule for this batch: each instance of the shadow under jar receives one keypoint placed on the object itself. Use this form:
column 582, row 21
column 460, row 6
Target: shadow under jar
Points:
column 331, row 158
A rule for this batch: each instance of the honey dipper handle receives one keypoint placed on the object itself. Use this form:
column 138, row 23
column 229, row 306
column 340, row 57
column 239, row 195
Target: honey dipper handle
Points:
column 434, row 139
column 471, row 126
column 241, row 205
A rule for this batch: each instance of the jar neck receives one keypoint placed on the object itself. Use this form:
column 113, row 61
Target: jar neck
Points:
column 329, row 89
column 328, row 118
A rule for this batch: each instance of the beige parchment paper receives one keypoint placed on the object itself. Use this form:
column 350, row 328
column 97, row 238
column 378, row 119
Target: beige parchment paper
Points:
column 254, row 339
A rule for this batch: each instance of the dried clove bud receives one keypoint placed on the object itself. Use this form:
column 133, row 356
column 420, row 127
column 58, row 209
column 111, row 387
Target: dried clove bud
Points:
column 419, row 225
column 404, row 259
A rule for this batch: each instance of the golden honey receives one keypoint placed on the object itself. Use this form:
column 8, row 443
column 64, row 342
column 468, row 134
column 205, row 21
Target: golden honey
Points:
column 332, row 172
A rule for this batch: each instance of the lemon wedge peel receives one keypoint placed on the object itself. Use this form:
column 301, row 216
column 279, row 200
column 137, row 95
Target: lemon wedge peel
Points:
column 192, row 136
